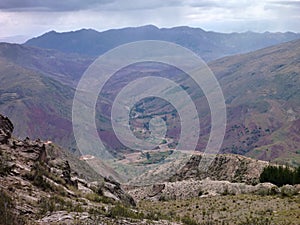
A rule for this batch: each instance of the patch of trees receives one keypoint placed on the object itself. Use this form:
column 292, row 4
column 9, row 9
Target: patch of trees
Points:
column 280, row 175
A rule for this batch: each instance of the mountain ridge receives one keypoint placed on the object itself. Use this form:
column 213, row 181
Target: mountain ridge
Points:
column 207, row 44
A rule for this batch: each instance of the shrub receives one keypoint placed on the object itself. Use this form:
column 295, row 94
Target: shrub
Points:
column 39, row 174
column 98, row 198
column 257, row 221
column 57, row 203
column 121, row 211
column 188, row 221
column 4, row 166
column 6, row 211
column 36, row 175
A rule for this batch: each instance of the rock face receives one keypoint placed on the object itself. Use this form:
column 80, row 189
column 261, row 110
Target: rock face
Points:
column 233, row 168
column 39, row 175
column 6, row 128
column 118, row 193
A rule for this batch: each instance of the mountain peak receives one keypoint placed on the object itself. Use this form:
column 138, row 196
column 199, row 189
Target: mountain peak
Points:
column 149, row 26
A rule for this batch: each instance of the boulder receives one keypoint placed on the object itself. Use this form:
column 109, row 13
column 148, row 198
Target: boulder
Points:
column 288, row 190
column 113, row 190
column 266, row 189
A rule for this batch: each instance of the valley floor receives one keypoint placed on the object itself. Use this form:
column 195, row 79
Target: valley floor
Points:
column 231, row 209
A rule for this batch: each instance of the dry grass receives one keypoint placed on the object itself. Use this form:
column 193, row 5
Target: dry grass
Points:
column 237, row 209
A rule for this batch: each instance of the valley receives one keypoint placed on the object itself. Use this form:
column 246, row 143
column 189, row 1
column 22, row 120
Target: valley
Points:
column 42, row 183
column 261, row 90
column 253, row 179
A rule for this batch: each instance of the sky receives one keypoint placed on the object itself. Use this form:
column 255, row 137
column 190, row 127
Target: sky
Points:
column 24, row 19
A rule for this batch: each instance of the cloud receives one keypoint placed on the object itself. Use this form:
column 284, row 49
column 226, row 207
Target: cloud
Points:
column 34, row 17
column 130, row 5
column 76, row 5
column 50, row 5
column 286, row 3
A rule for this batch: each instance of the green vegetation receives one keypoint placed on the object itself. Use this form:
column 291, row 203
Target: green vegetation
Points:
column 188, row 221
column 155, row 157
column 37, row 176
column 230, row 209
column 256, row 221
column 94, row 197
column 280, row 175
column 260, row 106
column 287, row 87
column 57, row 203
column 122, row 211
column 6, row 211
column 4, row 166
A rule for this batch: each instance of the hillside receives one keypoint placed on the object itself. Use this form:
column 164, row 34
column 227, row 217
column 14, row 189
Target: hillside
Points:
column 262, row 95
column 229, row 167
column 65, row 68
column 40, row 183
column 261, row 89
column 262, row 92
column 29, row 97
column 209, row 45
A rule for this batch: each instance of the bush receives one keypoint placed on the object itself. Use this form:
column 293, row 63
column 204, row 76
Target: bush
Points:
column 57, row 203
column 188, row 221
column 4, row 166
column 121, row 211
column 280, row 175
column 257, row 221
column 36, row 175
column 6, row 211
column 98, row 198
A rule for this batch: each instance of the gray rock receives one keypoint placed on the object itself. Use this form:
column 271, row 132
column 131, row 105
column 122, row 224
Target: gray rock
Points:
column 233, row 168
column 6, row 129
column 288, row 190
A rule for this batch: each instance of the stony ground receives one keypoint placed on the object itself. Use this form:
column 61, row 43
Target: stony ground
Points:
column 232, row 209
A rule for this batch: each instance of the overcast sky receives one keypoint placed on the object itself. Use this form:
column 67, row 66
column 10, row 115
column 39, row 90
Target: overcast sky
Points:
column 23, row 19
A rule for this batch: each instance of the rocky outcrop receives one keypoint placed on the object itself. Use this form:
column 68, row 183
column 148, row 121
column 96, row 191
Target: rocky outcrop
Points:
column 6, row 129
column 62, row 169
column 114, row 188
column 233, row 168
column 289, row 190
column 187, row 189
column 38, row 176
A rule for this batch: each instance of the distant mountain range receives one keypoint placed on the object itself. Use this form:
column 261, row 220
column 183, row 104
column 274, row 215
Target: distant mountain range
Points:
column 208, row 45
column 261, row 88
